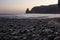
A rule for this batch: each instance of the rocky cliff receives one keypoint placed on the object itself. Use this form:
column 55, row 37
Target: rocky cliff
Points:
column 45, row 9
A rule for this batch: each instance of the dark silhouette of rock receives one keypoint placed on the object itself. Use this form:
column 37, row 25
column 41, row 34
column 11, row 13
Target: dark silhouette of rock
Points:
column 55, row 8
column 45, row 9
column 27, row 11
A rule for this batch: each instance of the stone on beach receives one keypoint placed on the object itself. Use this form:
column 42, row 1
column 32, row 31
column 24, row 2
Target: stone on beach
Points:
column 29, row 29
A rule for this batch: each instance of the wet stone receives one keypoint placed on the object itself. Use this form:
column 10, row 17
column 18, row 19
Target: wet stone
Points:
column 28, row 30
column 57, row 38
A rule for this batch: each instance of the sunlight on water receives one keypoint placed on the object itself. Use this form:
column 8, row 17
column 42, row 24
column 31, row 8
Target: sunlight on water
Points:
column 31, row 15
column 40, row 15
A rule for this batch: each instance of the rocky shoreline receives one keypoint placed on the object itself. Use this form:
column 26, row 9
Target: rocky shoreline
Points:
column 30, row 29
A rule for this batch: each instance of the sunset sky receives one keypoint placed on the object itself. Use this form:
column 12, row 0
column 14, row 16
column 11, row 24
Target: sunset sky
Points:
column 18, row 6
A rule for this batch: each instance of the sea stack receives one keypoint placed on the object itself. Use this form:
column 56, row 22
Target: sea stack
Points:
column 27, row 11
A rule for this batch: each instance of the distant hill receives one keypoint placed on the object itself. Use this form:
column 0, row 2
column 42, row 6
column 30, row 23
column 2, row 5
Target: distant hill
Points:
column 45, row 9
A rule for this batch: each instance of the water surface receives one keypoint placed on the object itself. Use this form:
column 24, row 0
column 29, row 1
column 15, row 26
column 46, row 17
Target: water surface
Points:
column 30, row 15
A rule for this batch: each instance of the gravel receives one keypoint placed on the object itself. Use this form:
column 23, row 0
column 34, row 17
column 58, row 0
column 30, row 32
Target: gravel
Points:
column 29, row 29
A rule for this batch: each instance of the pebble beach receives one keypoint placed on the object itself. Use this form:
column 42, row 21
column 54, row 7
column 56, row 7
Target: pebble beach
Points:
column 30, row 29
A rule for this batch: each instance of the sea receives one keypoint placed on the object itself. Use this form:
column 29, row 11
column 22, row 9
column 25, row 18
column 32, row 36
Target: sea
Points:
column 24, row 15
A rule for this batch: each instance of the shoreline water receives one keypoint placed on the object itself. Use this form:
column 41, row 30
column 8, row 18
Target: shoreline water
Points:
column 31, row 16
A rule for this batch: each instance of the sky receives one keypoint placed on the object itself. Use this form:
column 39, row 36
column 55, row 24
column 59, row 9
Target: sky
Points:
column 19, row 6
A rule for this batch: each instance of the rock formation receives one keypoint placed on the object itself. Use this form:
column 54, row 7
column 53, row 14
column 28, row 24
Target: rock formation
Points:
column 27, row 11
column 45, row 9
column 55, row 8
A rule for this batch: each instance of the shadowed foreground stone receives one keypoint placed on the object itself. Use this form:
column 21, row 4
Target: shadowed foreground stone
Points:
column 29, row 29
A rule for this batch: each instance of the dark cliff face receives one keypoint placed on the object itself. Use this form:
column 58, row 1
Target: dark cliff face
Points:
column 45, row 9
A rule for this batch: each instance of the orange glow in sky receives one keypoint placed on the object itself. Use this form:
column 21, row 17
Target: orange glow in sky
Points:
column 22, row 5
